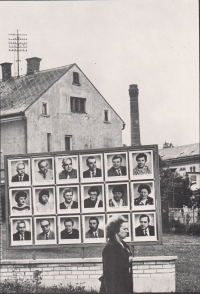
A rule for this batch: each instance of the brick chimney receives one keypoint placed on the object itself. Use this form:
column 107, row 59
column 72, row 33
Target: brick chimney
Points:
column 134, row 106
column 33, row 64
column 6, row 71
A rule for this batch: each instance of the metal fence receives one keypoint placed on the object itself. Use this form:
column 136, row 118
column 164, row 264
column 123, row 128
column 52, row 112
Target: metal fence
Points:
column 186, row 216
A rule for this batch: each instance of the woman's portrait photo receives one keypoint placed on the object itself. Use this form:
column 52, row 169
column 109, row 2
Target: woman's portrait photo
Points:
column 116, row 166
column 94, row 228
column 69, row 229
column 20, row 201
column 44, row 200
column 43, row 171
column 68, row 199
column 21, row 231
column 67, row 169
column 141, row 164
column 19, row 172
column 45, row 230
column 91, row 167
column 143, row 195
column 144, row 226
column 117, row 196
column 92, row 197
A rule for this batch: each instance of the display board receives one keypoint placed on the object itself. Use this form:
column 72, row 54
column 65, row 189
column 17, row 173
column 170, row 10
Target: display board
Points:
column 65, row 198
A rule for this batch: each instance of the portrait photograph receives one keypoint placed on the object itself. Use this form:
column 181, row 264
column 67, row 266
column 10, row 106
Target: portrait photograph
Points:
column 117, row 196
column 69, row 229
column 144, row 226
column 44, row 200
column 91, row 168
column 19, row 172
column 43, row 171
column 92, row 198
column 21, row 231
column 94, row 228
column 116, row 166
column 68, row 199
column 67, row 169
column 45, row 230
column 143, row 195
column 20, row 201
column 141, row 164
column 127, row 217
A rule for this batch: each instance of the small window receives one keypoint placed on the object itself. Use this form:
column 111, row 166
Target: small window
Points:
column 105, row 115
column 78, row 105
column 67, row 143
column 48, row 142
column 194, row 169
column 191, row 168
column 76, row 78
column 44, row 108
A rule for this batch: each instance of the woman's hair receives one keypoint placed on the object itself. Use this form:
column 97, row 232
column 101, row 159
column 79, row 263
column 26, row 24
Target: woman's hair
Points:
column 20, row 194
column 144, row 186
column 113, row 225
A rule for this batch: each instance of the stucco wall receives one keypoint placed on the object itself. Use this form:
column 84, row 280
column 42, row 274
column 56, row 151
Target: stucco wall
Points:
column 87, row 130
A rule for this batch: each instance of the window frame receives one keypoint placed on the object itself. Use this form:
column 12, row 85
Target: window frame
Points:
column 46, row 113
column 76, row 78
column 77, row 104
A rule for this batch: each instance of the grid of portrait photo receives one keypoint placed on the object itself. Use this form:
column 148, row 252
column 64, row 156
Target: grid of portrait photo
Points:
column 67, row 199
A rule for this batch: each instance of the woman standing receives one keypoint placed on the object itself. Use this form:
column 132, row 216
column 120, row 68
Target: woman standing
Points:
column 117, row 266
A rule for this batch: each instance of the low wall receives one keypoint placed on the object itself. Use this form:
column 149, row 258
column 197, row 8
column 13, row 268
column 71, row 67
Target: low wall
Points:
column 150, row 274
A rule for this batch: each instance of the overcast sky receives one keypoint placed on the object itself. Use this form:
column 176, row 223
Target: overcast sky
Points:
column 151, row 43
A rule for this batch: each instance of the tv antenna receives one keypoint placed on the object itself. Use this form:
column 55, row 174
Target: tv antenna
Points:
column 18, row 43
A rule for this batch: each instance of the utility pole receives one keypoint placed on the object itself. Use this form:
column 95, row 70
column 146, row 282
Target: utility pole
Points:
column 18, row 42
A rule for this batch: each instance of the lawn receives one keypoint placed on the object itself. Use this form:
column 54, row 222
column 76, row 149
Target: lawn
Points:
column 185, row 247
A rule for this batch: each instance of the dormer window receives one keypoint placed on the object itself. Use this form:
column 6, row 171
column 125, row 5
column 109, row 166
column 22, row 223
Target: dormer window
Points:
column 76, row 79
column 44, row 108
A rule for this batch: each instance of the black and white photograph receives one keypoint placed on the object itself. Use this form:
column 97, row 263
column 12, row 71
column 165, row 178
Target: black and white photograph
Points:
column 92, row 198
column 116, row 166
column 117, row 196
column 144, row 226
column 20, row 201
column 21, row 231
column 68, row 199
column 94, row 228
column 43, row 171
column 44, row 200
column 91, row 167
column 143, row 195
column 69, row 228
column 19, row 172
column 45, row 230
column 141, row 164
column 127, row 217
column 67, row 169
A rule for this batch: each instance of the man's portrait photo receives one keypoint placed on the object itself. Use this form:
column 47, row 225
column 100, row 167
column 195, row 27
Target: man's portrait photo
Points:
column 20, row 201
column 141, row 164
column 91, row 167
column 44, row 200
column 117, row 196
column 19, row 172
column 92, row 197
column 21, row 230
column 43, row 170
column 67, row 169
column 116, row 166
column 69, row 229
column 45, row 230
column 68, row 199
column 144, row 226
column 143, row 195
column 94, row 228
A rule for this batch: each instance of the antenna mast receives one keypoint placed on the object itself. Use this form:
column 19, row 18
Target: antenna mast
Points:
column 18, row 43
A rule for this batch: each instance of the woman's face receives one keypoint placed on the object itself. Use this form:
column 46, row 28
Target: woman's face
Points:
column 123, row 231
column 21, row 201
column 143, row 194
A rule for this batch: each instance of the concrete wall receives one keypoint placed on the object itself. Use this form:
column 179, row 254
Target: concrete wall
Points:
column 150, row 274
column 88, row 130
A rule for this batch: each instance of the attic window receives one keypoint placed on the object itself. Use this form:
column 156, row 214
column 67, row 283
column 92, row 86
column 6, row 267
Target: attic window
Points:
column 106, row 116
column 76, row 79
column 78, row 104
column 44, row 108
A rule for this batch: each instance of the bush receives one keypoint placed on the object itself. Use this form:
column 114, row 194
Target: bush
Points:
column 176, row 226
column 194, row 229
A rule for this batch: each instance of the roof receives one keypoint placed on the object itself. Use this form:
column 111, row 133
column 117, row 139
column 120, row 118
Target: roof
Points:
column 17, row 94
column 179, row 151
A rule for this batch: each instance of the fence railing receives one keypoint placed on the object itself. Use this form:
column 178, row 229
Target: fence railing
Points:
column 186, row 216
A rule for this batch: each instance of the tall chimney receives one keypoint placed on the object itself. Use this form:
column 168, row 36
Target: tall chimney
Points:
column 33, row 64
column 135, row 124
column 6, row 71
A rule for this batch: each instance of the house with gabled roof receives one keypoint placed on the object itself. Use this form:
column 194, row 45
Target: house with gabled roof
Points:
column 54, row 110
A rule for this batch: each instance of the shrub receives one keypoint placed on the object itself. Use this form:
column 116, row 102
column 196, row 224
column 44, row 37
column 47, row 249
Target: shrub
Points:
column 194, row 229
column 176, row 226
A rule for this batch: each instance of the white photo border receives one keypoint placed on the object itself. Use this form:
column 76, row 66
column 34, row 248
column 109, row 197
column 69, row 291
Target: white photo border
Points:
column 115, row 178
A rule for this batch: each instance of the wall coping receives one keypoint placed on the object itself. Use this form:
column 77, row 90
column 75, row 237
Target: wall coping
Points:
column 82, row 260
